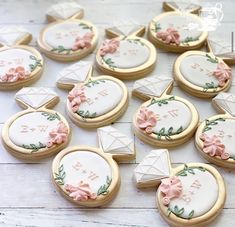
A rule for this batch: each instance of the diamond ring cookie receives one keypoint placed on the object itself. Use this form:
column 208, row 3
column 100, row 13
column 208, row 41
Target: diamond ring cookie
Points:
column 214, row 138
column 126, row 55
column 177, row 31
column 89, row 176
column 20, row 65
column 164, row 120
column 36, row 132
column 93, row 101
column 188, row 195
column 67, row 38
column 202, row 73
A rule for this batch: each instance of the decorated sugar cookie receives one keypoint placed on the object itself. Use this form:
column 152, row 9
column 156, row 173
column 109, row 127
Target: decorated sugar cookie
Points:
column 164, row 120
column 20, row 65
column 89, row 176
column 67, row 38
column 215, row 136
column 178, row 30
column 192, row 194
column 126, row 55
column 36, row 132
column 202, row 73
column 93, row 101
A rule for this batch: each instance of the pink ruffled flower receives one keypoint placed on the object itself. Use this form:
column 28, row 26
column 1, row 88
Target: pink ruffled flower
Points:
column 146, row 119
column 15, row 74
column 213, row 146
column 170, row 36
column 83, row 42
column 58, row 135
column 76, row 97
column 81, row 192
column 109, row 46
column 171, row 188
column 222, row 73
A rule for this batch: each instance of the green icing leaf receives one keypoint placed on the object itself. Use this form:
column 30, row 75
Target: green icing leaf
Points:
column 191, row 214
column 86, row 114
column 189, row 39
column 211, row 59
column 110, row 63
column 36, row 64
column 161, row 102
column 210, row 86
column 85, row 26
column 135, row 41
column 51, row 116
column 209, row 123
column 34, row 147
column 167, row 133
column 189, row 170
column 103, row 190
column 60, row 175
column 157, row 27
column 92, row 83
column 61, row 49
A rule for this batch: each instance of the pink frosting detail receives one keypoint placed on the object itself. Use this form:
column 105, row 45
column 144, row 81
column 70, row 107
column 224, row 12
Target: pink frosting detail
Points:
column 213, row 146
column 222, row 73
column 83, row 42
column 58, row 135
column 76, row 97
column 109, row 46
column 15, row 74
column 81, row 192
column 171, row 35
column 171, row 188
column 146, row 119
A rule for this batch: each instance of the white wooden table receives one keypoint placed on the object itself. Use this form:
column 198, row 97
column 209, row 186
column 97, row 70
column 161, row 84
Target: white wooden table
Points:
column 27, row 195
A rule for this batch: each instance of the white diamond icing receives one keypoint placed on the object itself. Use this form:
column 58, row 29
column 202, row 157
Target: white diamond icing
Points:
column 75, row 73
column 226, row 101
column 183, row 5
column 35, row 96
column 10, row 35
column 126, row 28
column 154, row 167
column 152, row 86
column 113, row 141
column 64, row 10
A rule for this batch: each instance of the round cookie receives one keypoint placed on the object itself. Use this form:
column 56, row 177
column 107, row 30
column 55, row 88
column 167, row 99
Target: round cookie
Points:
column 36, row 132
column 67, row 38
column 202, row 74
column 89, row 176
column 93, row 102
column 177, row 31
column 163, row 120
column 20, row 65
column 215, row 136
column 126, row 55
column 184, row 196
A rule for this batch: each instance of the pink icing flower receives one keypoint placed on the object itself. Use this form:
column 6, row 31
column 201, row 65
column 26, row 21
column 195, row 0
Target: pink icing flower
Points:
column 83, row 42
column 15, row 74
column 76, row 97
column 58, row 135
column 81, row 192
column 109, row 46
column 169, row 36
column 146, row 119
column 171, row 188
column 222, row 73
column 213, row 146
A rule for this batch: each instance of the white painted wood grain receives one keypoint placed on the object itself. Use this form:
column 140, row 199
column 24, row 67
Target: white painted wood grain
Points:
column 28, row 197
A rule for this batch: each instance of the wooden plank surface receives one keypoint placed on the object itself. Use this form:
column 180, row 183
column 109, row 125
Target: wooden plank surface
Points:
column 28, row 197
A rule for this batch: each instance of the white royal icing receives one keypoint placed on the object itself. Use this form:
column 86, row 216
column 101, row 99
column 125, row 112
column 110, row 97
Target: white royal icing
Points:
column 86, row 166
column 154, row 167
column 200, row 193
column 113, row 141
column 225, row 131
column 31, row 128
column 186, row 25
column 64, row 34
column 152, row 86
column 64, row 10
column 226, row 101
column 198, row 70
column 75, row 73
column 35, row 96
column 175, row 114
column 129, row 54
column 101, row 98
column 12, row 58
column 10, row 35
